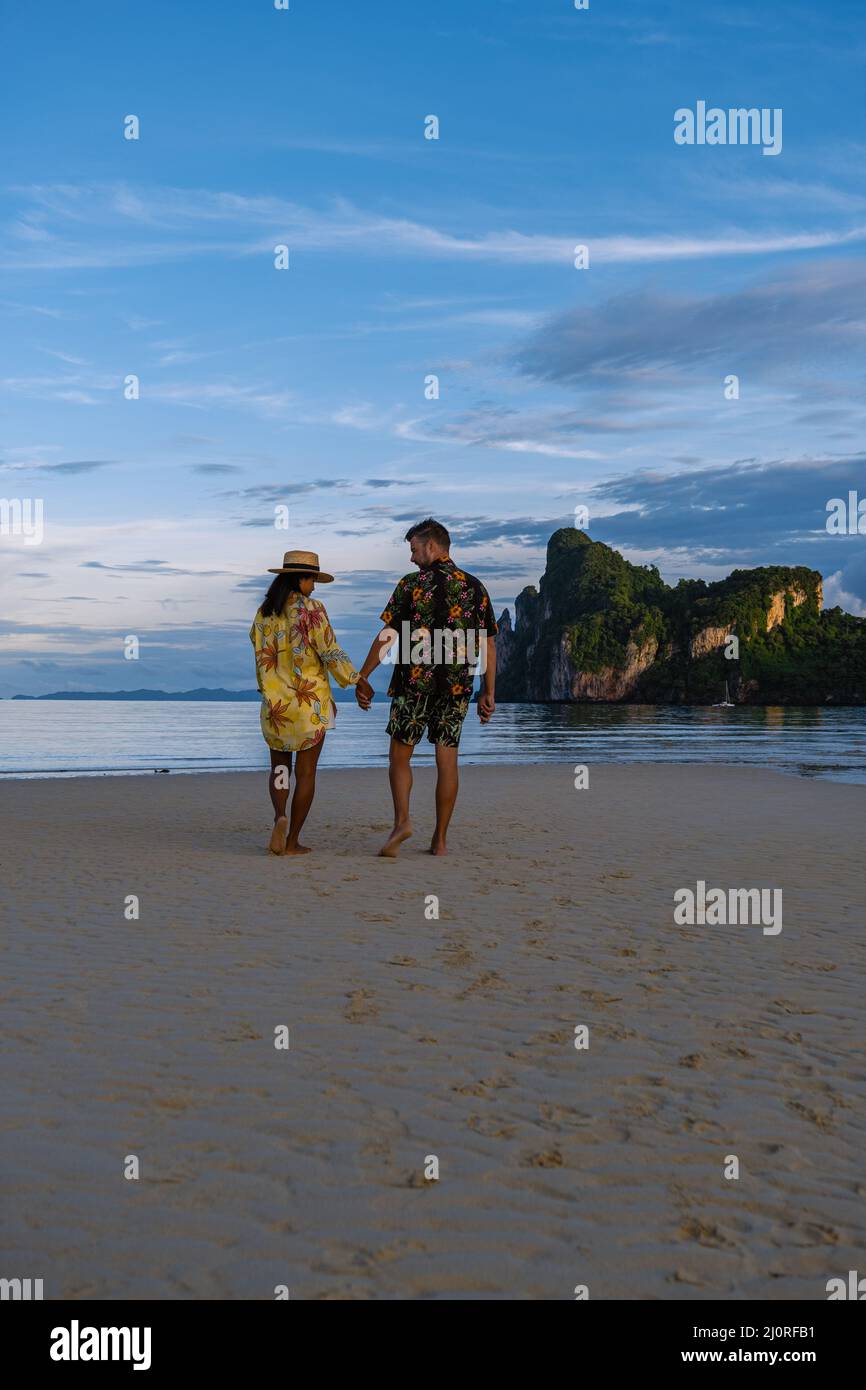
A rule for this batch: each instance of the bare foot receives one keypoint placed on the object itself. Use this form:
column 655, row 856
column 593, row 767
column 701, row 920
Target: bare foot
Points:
column 298, row 849
column 391, row 847
column 437, row 846
column 278, row 836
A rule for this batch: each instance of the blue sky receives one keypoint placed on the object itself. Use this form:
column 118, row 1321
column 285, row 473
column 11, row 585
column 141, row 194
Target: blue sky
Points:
column 411, row 257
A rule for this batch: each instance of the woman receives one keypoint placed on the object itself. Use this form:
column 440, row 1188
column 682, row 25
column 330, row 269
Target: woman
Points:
column 295, row 649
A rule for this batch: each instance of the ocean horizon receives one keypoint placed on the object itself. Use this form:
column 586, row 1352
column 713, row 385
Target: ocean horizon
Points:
column 127, row 737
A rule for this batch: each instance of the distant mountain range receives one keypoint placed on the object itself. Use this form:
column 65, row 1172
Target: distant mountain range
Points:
column 603, row 630
column 216, row 695
column 202, row 694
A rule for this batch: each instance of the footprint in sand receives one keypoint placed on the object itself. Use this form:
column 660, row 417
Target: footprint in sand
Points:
column 549, row 1158
column 791, row 1007
column 685, row 1276
column 560, row 1036
column 695, row 1126
column 245, row 1033
column 484, row 1085
column 553, row 1115
column 814, row 1233
column 456, row 954
column 472, row 1088
column 642, row 1109
column 360, row 1006
column 418, row 1180
column 486, row 983
column 490, row 1128
column 615, row 1030
column 706, row 1233
column 821, row 1120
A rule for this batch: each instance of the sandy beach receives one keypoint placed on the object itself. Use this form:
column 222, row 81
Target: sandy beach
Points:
column 411, row 1037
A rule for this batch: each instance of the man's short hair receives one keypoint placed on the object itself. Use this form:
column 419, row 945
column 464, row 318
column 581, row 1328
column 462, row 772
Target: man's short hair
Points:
column 430, row 530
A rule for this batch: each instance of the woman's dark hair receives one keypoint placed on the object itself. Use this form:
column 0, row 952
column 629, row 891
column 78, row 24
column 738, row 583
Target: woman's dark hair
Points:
column 278, row 594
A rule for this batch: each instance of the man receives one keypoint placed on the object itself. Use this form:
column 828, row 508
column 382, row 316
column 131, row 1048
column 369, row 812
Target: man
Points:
column 448, row 618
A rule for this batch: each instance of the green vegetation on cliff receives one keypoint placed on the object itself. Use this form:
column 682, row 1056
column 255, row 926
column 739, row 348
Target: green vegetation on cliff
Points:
column 606, row 601
column 597, row 616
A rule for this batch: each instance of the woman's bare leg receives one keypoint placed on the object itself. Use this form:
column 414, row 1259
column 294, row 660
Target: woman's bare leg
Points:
column 305, row 790
column 278, row 788
column 278, row 782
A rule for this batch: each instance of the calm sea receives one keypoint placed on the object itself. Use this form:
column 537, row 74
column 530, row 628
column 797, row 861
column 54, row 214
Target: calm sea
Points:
column 83, row 738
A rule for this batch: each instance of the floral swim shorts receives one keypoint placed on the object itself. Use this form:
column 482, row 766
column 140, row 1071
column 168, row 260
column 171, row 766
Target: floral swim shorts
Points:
column 441, row 715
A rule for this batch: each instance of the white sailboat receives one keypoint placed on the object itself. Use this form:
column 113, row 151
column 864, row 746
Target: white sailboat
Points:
column 727, row 703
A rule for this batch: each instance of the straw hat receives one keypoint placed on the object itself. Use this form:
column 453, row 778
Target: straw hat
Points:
column 303, row 562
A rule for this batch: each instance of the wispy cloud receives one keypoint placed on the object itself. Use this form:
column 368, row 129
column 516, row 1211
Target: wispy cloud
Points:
column 138, row 323
column 167, row 215
column 277, row 492
column 32, row 309
column 549, row 431
column 157, row 568
column 228, row 395
column 66, row 357
column 95, row 388
column 390, row 482
column 70, row 466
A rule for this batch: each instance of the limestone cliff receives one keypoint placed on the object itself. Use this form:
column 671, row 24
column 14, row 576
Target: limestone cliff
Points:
column 600, row 629
column 796, row 596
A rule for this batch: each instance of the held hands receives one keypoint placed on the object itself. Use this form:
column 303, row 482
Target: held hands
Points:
column 486, row 707
column 364, row 692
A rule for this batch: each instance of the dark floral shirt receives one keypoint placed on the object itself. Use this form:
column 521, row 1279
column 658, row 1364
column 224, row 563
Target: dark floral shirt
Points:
column 433, row 600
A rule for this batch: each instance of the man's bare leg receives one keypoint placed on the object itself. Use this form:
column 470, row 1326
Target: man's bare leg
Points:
column 447, row 782
column 305, row 790
column 400, row 777
column 281, row 771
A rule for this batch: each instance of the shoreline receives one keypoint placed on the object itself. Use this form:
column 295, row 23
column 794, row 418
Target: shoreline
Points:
column 76, row 775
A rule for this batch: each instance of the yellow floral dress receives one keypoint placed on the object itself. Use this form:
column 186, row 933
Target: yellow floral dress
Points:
column 294, row 653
